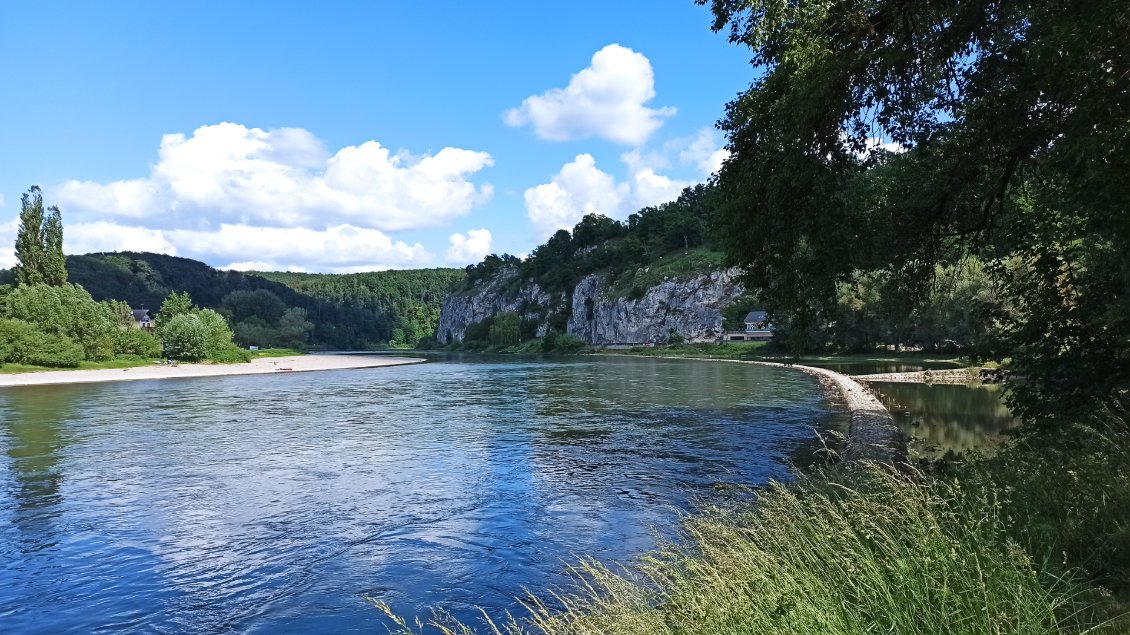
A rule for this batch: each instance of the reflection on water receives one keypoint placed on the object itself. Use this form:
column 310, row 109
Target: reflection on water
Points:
column 947, row 417
column 276, row 504
column 872, row 367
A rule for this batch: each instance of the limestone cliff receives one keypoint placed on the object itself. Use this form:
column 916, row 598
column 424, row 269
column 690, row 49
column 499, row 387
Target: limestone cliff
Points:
column 692, row 308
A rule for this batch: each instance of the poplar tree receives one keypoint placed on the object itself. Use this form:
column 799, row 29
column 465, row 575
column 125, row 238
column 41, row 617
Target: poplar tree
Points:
column 39, row 243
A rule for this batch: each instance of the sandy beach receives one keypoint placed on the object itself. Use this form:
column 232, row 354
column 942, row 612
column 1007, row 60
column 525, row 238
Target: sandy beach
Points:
column 261, row 366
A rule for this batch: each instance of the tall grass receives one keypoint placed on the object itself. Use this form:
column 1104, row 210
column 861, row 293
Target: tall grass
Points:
column 868, row 552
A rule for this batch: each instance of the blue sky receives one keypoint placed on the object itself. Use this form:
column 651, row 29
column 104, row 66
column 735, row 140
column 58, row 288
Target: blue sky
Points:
column 353, row 136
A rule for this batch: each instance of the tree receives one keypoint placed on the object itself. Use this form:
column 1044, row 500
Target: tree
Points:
column 54, row 262
column 185, row 337
column 39, row 242
column 67, row 311
column 175, row 304
column 893, row 137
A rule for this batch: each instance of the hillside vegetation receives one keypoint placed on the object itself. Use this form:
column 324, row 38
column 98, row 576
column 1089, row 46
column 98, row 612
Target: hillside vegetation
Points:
column 619, row 249
column 355, row 311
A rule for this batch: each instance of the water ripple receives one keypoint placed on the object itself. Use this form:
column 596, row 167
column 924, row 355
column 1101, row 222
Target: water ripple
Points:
column 276, row 504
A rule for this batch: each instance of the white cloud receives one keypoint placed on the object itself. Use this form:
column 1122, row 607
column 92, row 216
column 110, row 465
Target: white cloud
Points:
column 8, row 240
column 469, row 248
column 337, row 249
column 84, row 238
column 229, row 174
column 606, row 100
column 580, row 188
column 704, row 152
column 875, row 143
column 649, row 187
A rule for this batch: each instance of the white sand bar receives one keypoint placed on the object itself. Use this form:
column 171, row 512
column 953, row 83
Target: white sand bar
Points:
column 259, row 366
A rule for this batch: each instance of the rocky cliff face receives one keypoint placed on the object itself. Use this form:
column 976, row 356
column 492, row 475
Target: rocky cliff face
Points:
column 692, row 308
column 502, row 293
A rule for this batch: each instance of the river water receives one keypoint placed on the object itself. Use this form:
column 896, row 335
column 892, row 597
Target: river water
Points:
column 278, row 503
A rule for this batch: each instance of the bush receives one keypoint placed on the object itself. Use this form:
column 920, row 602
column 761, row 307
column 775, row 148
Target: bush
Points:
column 132, row 341
column 23, row 343
column 185, row 337
column 67, row 311
column 229, row 353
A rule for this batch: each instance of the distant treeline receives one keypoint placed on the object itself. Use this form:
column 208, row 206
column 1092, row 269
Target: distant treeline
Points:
column 353, row 311
column 410, row 299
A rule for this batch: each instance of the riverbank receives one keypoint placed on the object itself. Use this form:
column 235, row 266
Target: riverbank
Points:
column 257, row 366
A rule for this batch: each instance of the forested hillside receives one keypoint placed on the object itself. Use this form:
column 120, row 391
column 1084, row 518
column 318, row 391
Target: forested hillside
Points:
column 346, row 312
column 411, row 298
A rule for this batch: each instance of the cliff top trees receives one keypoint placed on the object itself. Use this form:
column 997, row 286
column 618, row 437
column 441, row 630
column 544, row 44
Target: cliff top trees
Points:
column 39, row 243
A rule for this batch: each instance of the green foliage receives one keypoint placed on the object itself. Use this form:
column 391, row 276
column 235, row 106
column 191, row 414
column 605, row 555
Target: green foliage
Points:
column 555, row 342
column 39, row 243
column 188, row 333
column 176, row 304
column 1013, row 133
column 259, row 303
column 619, row 249
column 505, row 329
column 229, row 353
column 185, row 337
column 66, row 310
column 351, row 311
column 23, row 343
column 378, row 303
column 132, row 341
column 477, row 334
column 54, row 262
column 1066, row 496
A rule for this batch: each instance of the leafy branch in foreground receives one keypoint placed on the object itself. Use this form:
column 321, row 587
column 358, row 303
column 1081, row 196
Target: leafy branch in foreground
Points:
column 892, row 137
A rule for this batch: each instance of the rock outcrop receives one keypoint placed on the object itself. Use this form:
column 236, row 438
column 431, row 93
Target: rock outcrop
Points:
column 691, row 308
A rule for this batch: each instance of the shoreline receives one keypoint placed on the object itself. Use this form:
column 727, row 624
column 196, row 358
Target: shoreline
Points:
column 872, row 433
column 258, row 366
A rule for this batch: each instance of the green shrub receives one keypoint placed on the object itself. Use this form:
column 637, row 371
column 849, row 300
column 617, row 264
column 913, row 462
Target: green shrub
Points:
column 23, row 343
column 229, row 353
column 132, row 341
column 185, row 337
column 567, row 343
column 68, row 311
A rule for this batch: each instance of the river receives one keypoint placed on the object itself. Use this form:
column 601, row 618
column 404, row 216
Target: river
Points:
column 278, row 503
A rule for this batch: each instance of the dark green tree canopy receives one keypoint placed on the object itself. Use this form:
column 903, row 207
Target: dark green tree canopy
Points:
column 1006, row 129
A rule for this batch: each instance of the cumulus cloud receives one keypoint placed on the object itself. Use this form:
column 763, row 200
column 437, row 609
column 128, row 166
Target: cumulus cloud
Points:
column 469, row 248
column 704, row 152
column 648, row 186
column 8, row 231
column 271, row 199
column 83, row 238
column 605, row 100
column 579, row 188
column 228, row 173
